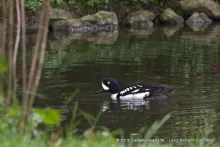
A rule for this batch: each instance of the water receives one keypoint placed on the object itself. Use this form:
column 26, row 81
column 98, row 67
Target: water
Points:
column 161, row 55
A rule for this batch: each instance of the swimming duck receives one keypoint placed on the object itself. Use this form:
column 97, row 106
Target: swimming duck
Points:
column 138, row 91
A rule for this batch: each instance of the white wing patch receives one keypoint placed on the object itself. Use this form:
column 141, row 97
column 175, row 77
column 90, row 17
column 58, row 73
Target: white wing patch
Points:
column 104, row 86
column 137, row 96
column 135, row 91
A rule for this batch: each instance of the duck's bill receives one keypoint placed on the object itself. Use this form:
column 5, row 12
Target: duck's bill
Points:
column 100, row 90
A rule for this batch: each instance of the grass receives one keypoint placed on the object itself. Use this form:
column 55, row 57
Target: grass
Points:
column 92, row 137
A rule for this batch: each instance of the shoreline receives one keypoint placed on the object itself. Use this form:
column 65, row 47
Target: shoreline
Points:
column 81, row 18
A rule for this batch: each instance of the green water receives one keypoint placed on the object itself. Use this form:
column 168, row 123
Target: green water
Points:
column 161, row 55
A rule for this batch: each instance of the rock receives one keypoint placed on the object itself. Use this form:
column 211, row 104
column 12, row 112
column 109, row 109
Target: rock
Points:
column 102, row 21
column 107, row 17
column 209, row 7
column 141, row 19
column 101, row 17
column 198, row 21
column 90, row 18
column 170, row 17
column 60, row 14
column 64, row 25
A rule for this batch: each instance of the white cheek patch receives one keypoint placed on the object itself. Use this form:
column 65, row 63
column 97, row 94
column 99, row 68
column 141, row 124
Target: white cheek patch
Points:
column 104, row 86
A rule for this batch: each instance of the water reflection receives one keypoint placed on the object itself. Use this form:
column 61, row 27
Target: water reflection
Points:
column 186, row 58
column 109, row 106
column 153, row 105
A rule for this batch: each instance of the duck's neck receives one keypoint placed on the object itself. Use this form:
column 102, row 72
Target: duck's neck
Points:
column 114, row 96
column 116, row 89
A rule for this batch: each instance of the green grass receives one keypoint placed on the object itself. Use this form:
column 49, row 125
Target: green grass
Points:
column 92, row 137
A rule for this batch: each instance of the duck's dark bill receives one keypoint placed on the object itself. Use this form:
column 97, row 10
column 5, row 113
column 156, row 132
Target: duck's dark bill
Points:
column 100, row 90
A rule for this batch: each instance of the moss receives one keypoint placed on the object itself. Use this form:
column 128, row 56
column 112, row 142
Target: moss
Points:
column 64, row 24
column 101, row 16
column 141, row 15
column 209, row 7
column 90, row 18
column 169, row 16
column 168, row 13
column 107, row 16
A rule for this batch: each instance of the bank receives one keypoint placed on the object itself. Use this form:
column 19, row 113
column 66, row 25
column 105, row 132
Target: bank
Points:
column 79, row 18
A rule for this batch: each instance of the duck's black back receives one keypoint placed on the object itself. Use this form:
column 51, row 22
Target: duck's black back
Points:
column 160, row 89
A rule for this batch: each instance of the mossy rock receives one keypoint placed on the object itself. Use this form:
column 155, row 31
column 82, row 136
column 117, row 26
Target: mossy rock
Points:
column 198, row 21
column 101, row 17
column 90, row 18
column 170, row 17
column 141, row 19
column 65, row 24
column 140, row 15
column 107, row 17
column 209, row 7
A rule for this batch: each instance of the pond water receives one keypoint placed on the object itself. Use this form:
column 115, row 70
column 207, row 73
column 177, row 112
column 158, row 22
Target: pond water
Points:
column 161, row 55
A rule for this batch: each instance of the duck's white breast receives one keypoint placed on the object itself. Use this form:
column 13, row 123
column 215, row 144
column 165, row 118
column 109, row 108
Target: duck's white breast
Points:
column 136, row 96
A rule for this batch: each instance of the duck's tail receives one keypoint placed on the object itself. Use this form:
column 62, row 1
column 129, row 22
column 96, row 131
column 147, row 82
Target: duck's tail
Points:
column 178, row 87
column 173, row 89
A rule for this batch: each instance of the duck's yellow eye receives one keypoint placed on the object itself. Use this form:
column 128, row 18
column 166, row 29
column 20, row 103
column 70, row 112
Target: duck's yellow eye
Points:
column 108, row 82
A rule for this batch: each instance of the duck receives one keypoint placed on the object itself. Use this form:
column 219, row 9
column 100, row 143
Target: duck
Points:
column 138, row 91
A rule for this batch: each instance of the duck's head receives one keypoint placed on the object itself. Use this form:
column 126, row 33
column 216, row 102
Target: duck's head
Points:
column 110, row 85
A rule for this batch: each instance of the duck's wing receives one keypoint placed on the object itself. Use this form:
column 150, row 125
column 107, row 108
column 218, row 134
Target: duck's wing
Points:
column 134, row 89
column 159, row 89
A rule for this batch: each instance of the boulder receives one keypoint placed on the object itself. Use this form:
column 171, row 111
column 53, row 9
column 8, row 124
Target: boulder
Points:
column 64, row 25
column 60, row 14
column 170, row 17
column 107, row 17
column 198, row 21
column 101, row 18
column 209, row 7
column 91, row 19
column 102, row 21
column 141, row 19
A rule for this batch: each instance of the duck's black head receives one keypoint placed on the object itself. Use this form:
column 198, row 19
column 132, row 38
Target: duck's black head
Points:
column 110, row 85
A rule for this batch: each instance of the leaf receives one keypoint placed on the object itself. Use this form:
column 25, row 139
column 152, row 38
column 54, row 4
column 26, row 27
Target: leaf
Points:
column 91, row 120
column 72, row 96
column 156, row 126
column 49, row 116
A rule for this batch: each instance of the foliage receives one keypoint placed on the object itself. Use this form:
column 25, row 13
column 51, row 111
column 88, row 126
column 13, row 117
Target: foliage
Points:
column 33, row 4
column 36, row 4
column 150, row 1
